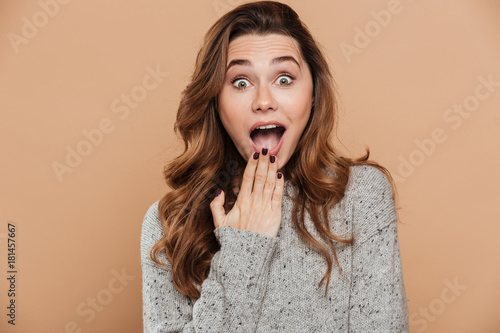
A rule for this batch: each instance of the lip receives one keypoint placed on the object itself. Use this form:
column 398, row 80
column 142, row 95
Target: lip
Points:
column 276, row 149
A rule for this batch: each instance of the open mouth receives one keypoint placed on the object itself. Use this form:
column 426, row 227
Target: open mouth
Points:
column 269, row 137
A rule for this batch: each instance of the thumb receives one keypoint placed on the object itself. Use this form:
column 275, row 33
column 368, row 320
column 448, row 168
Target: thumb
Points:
column 217, row 208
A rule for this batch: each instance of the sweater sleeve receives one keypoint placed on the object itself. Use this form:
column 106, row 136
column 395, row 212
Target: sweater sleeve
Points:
column 378, row 298
column 231, row 295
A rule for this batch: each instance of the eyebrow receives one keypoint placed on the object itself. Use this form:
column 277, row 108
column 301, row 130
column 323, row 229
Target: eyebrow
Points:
column 245, row 62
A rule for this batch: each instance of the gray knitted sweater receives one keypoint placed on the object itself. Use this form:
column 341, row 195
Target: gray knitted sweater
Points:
column 259, row 283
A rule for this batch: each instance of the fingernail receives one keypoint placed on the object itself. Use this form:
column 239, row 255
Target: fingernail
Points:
column 219, row 190
column 280, row 175
column 264, row 151
column 272, row 158
column 256, row 155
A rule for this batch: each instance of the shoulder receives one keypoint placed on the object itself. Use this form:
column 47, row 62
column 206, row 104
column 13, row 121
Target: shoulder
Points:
column 366, row 180
column 370, row 194
column 151, row 223
column 152, row 231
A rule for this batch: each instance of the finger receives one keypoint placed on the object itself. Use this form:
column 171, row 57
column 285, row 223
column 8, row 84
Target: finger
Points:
column 217, row 208
column 261, row 173
column 270, row 180
column 248, row 176
column 278, row 193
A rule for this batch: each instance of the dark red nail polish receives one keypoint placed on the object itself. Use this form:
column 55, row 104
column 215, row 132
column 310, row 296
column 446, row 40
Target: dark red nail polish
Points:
column 218, row 192
column 272, row 158
column 264, row 151
column 280, row 175
column 256, row 155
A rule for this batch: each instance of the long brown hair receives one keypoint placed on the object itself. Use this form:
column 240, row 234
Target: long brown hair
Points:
column 211, row 160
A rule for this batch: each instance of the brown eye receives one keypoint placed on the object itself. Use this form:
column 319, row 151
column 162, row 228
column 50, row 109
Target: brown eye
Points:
column 241, row 83
column 284, row 80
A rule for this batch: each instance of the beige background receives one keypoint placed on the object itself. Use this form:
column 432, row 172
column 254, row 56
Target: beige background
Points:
column 63, row 75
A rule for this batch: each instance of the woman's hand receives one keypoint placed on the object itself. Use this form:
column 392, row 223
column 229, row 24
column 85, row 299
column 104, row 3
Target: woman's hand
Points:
column 257, row 209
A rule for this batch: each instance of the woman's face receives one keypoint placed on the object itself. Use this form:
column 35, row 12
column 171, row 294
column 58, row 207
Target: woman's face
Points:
column 267, row 82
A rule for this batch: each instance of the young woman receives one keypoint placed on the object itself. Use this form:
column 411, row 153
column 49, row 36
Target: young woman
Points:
column 262, row 205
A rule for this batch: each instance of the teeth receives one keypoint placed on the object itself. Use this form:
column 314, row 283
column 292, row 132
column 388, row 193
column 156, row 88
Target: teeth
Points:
column 267, row 127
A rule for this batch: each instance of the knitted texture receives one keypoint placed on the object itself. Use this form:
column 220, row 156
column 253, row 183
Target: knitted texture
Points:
column 259, row 283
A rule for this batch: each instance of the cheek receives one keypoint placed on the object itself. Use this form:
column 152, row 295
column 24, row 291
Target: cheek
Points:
column 231, row 111
column 299, row 108
column 231, row 118
column 224, row 110
column 306, row 102
column 226, row 120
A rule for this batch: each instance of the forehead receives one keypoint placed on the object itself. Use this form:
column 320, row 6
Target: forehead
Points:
column 263, row 45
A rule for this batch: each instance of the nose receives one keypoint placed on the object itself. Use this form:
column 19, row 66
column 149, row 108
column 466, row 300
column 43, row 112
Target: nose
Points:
column 264, row 99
